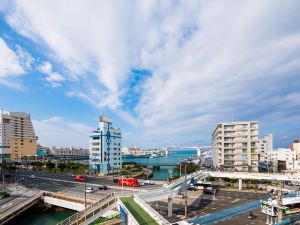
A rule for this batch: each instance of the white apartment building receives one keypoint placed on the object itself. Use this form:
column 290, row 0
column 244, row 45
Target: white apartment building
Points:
column 235, row 146
column 105, row 147
column 265, row 145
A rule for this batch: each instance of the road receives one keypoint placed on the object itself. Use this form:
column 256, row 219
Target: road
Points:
column 55, row 182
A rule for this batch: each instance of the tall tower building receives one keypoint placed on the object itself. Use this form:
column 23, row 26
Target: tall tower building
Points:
column 18, row 139
column 5, row 151
column 235, row 146
column 105, row 147
column 22, row 136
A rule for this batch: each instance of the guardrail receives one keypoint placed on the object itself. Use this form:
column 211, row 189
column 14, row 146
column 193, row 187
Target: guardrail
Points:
column 91, row 210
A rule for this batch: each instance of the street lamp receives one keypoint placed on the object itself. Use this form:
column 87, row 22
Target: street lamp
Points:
column 185, row 201
column 85, row 188
column 17, row 184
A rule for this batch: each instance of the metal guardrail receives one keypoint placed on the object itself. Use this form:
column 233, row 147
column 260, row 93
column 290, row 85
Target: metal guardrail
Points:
column 91, row 210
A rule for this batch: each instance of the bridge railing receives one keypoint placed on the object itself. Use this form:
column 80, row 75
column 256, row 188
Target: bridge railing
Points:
column 155, row 215
column 90, row 211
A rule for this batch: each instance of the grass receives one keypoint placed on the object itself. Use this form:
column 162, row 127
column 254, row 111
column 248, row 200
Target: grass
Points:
column 103, row 219
column 141, row 216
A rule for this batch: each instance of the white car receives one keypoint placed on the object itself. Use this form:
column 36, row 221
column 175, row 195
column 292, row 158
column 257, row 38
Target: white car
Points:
column 32, row 176
column 89, row 190
column 148, row 182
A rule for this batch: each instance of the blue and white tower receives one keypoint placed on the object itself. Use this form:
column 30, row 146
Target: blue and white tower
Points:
column 105, row 147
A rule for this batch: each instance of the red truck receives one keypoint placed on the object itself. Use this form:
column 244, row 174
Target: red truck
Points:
column 80, row 178
column 130, row 182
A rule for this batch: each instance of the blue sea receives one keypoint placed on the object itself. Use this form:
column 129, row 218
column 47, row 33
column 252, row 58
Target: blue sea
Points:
column 174, row 157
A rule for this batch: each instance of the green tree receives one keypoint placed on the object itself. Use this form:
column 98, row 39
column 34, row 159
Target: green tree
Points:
column 50, row 165
column 190, row 167
column 62, row 167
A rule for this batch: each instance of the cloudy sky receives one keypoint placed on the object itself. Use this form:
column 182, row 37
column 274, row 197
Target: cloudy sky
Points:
column 166, row 71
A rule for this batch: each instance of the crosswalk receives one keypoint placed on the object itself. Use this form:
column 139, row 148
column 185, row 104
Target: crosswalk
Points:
column 30, row 193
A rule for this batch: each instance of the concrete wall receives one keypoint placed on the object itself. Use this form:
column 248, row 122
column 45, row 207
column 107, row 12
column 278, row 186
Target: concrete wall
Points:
column 63, row 203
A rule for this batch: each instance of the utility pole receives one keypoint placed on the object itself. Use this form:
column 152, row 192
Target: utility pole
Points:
column 180, row 170
column 2, row 158
column 279, row 203
column 185, row 201
column 85, row 190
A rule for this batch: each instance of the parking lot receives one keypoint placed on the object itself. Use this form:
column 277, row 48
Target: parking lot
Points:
column 200, row 204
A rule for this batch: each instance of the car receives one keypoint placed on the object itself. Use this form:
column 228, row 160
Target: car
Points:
column 89, row 190
column 32, row 176
column 81, row 178
column 103, row 187
column 148, row 182
column 192, row 188
column 208, row 190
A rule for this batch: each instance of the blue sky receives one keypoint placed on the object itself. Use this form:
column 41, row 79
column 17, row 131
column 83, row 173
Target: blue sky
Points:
column 166, row 71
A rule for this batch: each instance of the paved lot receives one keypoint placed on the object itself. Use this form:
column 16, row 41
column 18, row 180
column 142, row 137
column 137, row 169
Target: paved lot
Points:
column 201, row 204
column 243, row 219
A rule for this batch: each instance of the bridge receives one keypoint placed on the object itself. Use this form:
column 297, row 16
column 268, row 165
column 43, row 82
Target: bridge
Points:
column 198, row 148
column 12, row 212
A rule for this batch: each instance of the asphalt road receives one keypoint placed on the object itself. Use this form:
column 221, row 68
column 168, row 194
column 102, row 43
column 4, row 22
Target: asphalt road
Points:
column 56, row 182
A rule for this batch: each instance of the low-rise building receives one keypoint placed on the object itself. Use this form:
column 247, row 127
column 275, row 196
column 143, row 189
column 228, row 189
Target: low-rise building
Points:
column 288, row 156
column 131, row 151
column 70, row 151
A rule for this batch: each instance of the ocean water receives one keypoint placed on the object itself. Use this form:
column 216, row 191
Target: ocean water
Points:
column 165, row 171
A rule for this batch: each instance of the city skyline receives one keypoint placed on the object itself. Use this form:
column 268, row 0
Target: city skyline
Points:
column 167, row 73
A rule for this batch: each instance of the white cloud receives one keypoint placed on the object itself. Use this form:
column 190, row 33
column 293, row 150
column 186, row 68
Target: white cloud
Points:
column 56, row 131
column 10, row 66
column 53, row 78
column 210, row 61
column 45, row 67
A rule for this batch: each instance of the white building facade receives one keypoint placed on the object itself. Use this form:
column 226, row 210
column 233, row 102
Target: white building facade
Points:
column 290, row 157
column 105, row 147
column 235, row 146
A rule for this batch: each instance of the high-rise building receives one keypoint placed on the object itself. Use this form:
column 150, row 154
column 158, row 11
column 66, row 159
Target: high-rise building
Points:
column 4, row 136
column 235, row 146
column 18, row 139
column 105, row 147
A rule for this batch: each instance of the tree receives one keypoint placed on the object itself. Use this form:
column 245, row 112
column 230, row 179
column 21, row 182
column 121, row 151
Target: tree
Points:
column 50, row 165
column 37, row 164
column 190, row 167
column 61, row 167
